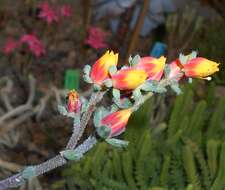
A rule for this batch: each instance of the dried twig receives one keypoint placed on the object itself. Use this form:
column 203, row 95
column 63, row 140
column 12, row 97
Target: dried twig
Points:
column 5, row 94
column 10, row 166
column 22, row 108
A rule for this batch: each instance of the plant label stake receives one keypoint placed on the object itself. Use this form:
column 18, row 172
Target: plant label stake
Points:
column 72, row 78
column 158, row 49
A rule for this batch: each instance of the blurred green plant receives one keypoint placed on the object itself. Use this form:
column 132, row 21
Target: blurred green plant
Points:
column 212, row 44
column 186, row 152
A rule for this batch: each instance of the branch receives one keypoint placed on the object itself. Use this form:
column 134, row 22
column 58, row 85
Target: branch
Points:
column 79, row 130
column 18, row 179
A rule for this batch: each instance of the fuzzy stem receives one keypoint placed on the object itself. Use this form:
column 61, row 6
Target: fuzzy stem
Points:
column 57, row 161
column 143, row 99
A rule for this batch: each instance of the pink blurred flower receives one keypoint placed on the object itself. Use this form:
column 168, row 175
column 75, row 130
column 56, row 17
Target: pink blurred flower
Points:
column 96, row 38
column 48, row 13
column 66, row 11
column 9, row 46
column 34, row 44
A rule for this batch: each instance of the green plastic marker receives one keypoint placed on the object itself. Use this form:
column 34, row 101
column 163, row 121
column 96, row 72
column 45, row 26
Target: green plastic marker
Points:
column 72, row 78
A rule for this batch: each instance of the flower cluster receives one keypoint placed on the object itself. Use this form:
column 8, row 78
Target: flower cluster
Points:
column 96, row 38
column 142, row 69
column 141, row 78
column 53, row 14
column 31, row 40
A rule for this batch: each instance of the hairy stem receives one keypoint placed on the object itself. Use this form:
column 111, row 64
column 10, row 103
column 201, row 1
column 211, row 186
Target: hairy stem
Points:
column 17, row 179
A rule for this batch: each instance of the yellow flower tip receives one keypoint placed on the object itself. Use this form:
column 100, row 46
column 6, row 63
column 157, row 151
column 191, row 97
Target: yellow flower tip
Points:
column 129, row 79
column 212, row 67
column 200, row 68
column 72, row 92
column 111, row 57
column 162, row 59
column 99, row 71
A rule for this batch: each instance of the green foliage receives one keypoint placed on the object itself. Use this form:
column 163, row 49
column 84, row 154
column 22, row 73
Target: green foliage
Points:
column 212, row 44
column 184, row 152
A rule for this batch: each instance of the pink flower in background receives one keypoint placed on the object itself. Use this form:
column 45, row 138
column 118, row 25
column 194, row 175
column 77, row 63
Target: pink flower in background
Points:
column 96, row 38
column 9, row 46
column 34, row 44
column 48, row 13
column 66, row 11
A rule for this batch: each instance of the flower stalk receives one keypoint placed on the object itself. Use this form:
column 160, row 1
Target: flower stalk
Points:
column 131, row 86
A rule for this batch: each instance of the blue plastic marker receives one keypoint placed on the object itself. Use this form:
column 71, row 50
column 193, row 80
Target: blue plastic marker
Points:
column 158, row 49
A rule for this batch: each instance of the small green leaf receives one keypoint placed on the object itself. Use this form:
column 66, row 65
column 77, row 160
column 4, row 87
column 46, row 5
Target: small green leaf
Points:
column 62, row 110
column 98, row 115
column 71, row 155
column 103, row 131
column 130, row 59
column 87, row 79
column 87, row 69
column 71, row 114
column 76, row 120
column 97, row 87
column 117, row 142
column 192, row 55
column 137, row 94
column 28, row 172
column 112, row 70
column 183, row 59
column 114, row 108
column 116, row 94
column 176, row 89
column 134, row 61
column 167, row 70
column 84, row 107
column 123, row 103
column 108, row 83
column 153, row 86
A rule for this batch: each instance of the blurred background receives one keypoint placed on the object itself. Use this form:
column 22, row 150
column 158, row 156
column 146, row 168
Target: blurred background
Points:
column 176, row 142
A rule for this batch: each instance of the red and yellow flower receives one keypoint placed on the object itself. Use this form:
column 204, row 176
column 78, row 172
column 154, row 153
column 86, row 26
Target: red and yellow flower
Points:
column 153, row 66
column 73, row 101
column 200, row 68
column 128, row 78
column 100, row 70
column 117, row 121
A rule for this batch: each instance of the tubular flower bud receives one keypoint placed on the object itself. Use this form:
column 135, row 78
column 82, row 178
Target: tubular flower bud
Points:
column 128, row 78
column 73, row 101
column 153, row 66
column 117, row 121
column 100, row 70
column 200, row 68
